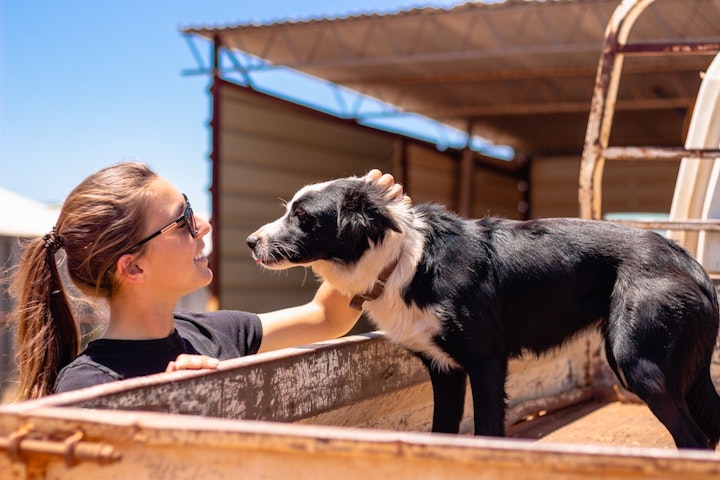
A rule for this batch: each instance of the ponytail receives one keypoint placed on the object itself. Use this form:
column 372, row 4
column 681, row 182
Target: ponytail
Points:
column 47, row 333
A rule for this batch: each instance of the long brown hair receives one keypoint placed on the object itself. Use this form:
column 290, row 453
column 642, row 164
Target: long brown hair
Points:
column 98, row 220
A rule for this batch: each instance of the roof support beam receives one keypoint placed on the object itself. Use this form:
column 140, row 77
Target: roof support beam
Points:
column 540, row 73
column 551, row 108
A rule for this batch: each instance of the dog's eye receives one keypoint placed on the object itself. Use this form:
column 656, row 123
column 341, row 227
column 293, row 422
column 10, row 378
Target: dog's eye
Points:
column 303, row 218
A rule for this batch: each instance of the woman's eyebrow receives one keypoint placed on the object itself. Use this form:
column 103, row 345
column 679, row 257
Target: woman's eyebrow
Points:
column 181, row 209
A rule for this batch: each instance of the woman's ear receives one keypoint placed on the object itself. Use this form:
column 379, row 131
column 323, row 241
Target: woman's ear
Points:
column 128, row 270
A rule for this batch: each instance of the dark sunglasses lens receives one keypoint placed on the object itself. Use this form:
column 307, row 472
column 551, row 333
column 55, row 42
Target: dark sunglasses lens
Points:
column 190, row 221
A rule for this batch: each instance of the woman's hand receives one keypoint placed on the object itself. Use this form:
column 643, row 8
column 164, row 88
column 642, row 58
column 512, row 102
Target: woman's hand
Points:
column 186, row 361
column 387, row 182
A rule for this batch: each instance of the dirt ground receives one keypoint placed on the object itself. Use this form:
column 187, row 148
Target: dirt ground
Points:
column 596, row 423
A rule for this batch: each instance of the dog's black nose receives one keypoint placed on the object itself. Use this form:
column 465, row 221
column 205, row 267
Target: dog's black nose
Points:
column 252, row 242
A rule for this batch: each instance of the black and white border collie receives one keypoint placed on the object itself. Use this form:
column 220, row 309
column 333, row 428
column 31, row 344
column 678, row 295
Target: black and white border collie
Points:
column 466, row 295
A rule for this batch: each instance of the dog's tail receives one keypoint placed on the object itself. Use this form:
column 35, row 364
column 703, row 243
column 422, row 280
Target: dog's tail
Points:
column 704, row 405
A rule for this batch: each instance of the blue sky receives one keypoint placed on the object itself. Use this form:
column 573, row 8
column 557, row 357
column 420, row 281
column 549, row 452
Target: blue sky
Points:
column 87, row 83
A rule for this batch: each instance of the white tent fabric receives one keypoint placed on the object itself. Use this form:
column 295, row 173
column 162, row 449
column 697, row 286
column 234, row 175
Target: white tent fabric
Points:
column 25, row 217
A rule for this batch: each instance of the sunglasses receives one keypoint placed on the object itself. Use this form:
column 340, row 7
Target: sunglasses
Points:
column 188, row 218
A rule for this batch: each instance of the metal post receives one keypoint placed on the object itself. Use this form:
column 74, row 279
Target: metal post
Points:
column 603, row 106
column 215, row 166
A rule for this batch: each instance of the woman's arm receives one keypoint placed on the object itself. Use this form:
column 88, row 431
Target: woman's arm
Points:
column 327, row 316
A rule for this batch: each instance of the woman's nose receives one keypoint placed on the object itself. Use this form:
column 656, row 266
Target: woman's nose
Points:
column 203, row 226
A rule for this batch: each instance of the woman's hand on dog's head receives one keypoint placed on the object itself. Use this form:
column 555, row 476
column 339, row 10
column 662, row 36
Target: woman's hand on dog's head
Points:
column 387, row 182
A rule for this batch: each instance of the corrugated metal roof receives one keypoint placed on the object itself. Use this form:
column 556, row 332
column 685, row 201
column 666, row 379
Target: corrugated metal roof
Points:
column 519, row 72
column 347, row 17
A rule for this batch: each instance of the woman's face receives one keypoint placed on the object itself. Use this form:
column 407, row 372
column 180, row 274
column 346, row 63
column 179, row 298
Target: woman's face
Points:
column 173, row 262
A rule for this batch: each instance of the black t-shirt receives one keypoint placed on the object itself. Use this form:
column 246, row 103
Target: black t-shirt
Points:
column 223, row 335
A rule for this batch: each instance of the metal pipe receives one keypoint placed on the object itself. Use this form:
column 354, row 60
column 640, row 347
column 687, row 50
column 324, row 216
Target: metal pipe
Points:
column 72, row 448
column 215, row 169
column 603, row 106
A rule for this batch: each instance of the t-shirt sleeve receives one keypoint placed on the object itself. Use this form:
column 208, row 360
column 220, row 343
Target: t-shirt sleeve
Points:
column 81, row 374
column 222, row 334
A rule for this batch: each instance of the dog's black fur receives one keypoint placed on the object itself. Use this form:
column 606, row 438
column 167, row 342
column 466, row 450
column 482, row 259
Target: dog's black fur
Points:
column 467, row 295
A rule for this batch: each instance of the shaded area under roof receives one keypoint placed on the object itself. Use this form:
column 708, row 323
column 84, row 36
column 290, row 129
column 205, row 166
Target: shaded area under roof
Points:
column 518, row 72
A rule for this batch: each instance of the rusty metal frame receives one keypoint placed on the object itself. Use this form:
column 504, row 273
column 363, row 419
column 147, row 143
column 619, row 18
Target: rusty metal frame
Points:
column 73, row 448
column 596, row 149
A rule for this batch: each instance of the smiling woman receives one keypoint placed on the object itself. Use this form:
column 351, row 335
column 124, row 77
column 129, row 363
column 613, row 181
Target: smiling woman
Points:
column 130, row 237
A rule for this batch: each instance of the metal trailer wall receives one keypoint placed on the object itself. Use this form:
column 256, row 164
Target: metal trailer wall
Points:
column 628, row 186
column 435, row 176
column 267, row 150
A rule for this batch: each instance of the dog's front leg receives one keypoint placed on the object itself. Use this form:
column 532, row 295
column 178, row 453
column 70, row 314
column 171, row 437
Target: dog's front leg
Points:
column 448, row 396
column 487, row 382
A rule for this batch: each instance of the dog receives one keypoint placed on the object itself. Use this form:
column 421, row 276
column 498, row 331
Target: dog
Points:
column 465, row 295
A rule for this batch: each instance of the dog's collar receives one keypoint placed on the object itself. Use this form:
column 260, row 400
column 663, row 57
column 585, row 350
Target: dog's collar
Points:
column 377, row 288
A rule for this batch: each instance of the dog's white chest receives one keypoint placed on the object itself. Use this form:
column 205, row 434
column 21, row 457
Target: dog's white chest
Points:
column 411, row 327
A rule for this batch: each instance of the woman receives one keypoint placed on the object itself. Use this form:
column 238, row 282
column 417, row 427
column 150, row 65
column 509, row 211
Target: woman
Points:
column 130, row 237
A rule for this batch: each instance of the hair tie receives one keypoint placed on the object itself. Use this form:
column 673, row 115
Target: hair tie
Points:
column 53, row 241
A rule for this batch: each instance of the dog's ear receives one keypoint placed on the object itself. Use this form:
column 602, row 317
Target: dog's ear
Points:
column 363, row 214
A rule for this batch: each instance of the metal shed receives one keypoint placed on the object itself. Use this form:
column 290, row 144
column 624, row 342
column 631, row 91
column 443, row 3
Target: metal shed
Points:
column 518, row 73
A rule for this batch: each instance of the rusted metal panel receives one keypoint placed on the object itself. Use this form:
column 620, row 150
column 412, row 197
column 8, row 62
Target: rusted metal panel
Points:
column 361, row 380
column 286, row 385
column 178, row 447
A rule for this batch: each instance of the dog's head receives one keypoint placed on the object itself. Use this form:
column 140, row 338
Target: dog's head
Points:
column 336, row 221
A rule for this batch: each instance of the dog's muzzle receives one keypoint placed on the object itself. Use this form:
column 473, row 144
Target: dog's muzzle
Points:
column 255, row 244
